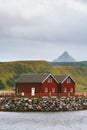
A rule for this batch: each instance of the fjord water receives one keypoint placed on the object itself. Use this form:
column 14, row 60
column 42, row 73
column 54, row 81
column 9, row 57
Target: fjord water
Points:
column 43, row 120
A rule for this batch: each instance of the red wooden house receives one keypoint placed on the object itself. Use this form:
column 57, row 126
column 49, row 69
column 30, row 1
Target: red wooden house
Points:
column 40, row 85
column 66, row 85
column 37, row 85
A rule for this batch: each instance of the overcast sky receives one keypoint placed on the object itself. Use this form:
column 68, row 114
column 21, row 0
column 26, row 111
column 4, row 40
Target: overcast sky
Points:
column 42, row 29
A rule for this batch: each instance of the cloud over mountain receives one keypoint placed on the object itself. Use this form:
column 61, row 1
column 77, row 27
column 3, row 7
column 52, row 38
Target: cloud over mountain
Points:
column 60, row 23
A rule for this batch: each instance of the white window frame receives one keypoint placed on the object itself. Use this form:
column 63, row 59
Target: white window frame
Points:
column 65, row 90
column 68, row 80
column 53, row 90
column 46, row 89
column 33, row 91
column 71, row 90
column 49, row 80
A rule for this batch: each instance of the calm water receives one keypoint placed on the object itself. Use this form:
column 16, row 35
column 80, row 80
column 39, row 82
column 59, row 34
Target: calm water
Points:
column 43, row 121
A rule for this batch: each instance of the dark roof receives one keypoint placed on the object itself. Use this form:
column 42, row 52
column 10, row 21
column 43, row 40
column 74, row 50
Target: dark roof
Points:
column 39, row 78
column 32, row 78
column 60, row 78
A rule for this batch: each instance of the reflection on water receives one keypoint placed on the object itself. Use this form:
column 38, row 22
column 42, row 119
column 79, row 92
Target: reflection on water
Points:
column 43, row 121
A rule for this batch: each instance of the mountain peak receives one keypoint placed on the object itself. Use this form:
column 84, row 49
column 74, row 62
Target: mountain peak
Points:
column 65, row 52
column 65, row 57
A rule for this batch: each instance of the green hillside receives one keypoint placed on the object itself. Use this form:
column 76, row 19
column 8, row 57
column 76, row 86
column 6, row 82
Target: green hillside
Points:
column 79, row 74
column 10, row 71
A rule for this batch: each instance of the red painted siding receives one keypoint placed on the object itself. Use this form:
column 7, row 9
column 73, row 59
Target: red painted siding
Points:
column 26, row 89
column 39, row 88
column 51, row 86
column 68, row 87
column 48, row 88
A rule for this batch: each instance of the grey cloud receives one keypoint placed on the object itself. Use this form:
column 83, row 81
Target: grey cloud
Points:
column 58, row 25
column 83, row 1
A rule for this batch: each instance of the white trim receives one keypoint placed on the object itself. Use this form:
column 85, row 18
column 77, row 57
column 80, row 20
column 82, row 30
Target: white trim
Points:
column 66, row 78
column 48, row 77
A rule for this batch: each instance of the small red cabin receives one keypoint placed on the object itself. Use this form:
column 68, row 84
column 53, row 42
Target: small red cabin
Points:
column 40, row 85
column 66, row 85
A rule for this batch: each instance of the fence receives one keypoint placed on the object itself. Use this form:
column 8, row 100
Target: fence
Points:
column 81, row 93
column 7, row 93
column 12, row 94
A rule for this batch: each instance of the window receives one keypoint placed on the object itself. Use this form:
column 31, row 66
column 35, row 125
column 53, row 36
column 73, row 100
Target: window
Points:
column 49, row 80
column 71, row 90
column 65, row 90
column 53, row 90
column 33, row 91
column 46, row 90
column 68, row 80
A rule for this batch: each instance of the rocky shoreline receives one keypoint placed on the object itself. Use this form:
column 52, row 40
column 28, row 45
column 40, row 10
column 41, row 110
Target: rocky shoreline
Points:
column 43, row 104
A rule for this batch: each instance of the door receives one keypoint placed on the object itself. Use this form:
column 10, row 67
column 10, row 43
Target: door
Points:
column 32, row 91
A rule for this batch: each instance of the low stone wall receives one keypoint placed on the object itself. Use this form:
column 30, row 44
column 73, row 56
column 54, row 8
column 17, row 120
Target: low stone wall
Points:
column 43, row 104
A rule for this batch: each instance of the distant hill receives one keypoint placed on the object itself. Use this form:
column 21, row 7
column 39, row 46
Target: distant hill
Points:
column 81, row 63
column 65, row 57
column 78, row 73
column 10, row 71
